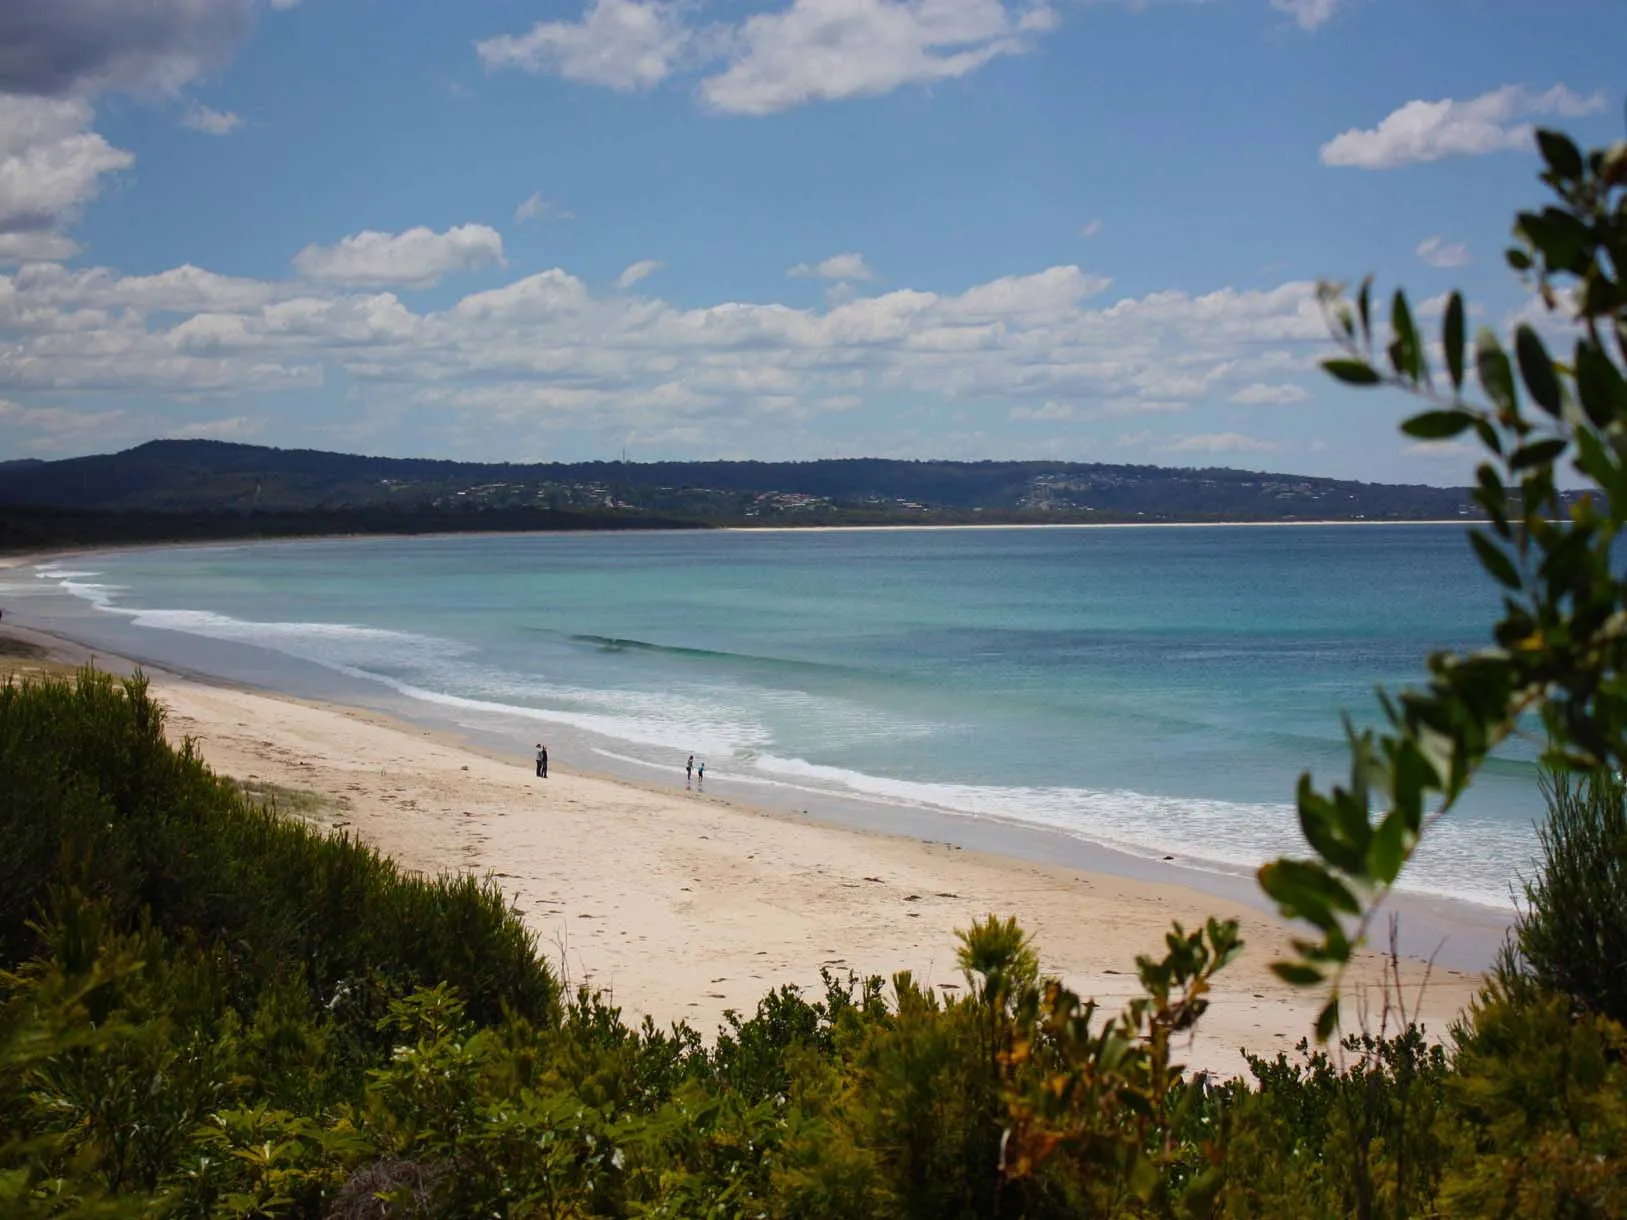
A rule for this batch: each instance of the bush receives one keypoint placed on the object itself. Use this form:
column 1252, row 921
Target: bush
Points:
column 1571, row 935
column 95, row 798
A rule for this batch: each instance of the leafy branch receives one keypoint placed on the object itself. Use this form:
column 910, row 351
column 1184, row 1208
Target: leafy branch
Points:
column 1560, row 650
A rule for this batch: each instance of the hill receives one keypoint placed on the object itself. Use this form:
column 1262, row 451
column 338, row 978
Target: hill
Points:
column 197, row 476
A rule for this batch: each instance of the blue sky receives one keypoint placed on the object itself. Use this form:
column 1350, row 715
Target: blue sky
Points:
column 502, row 229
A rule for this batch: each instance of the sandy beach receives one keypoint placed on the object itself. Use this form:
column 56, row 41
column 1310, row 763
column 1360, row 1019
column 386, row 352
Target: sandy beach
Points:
column 681, row 905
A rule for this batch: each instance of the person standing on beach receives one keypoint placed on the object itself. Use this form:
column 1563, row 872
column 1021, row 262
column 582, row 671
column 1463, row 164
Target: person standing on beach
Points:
column 700, row 776
column 689, row 770
column 542, row 761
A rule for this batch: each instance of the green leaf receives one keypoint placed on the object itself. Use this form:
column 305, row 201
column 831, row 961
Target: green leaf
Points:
column 1406, row 353
column 1297, row 974
column 1537, row 369
column 1364, row 304
column 1388, row 849
column 1599, row 385
column 1319, row 821
column 1452, row 338
column 1561, row 155
column 1563, row 240
column 1305, row 884
column 1438, row 425
column 1352, row 372
column 1327, row 1020
column 1537, row 453
column 1494, row 560
column 1496, row 374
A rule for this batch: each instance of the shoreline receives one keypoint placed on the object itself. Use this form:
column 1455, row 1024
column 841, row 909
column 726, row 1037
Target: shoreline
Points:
column 683, row 905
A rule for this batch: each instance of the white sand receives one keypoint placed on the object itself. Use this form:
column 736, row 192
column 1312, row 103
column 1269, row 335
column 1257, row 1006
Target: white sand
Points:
column 682, row 905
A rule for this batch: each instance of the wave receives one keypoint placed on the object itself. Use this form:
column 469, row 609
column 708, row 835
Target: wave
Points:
column 1212, row 836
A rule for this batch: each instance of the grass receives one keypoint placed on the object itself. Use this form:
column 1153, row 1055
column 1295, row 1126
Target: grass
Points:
column 279, row 798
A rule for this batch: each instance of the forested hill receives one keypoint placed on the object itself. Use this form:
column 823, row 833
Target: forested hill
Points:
column 212, row 476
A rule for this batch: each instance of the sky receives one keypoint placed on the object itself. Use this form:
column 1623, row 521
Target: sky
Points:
column 519, row 230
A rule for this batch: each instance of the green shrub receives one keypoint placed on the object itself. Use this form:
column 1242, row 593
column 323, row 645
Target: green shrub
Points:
column 1571, row 935
column 96, row 798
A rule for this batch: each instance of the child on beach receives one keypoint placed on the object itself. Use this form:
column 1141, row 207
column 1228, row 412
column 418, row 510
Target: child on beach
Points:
column 700, row 775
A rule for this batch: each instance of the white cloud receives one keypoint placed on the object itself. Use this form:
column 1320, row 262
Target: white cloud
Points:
column 56, row 291
column 35, row 247
column 1424, row 131
column 836, row 267
column 824, row 50
column 1260, row 394
column 1221, row 442
column 1091, row 227
column 211, row 122
column 1437, row 252
column 50, row 167
column 55, row 48
column 545, row 351
column 58, row 428
column 417, row 257
column 623, row 44
column 812, row 50
column 535, row 207
column 638, row 271
column 1307, row 14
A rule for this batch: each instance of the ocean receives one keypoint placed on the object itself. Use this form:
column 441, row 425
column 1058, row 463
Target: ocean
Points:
column 1156, row 691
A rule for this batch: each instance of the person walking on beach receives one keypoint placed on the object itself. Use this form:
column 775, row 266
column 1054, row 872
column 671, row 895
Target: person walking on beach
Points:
column 542, row 761
column 689, row 771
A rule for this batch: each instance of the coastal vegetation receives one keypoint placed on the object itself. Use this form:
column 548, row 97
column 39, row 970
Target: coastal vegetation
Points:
column 208, row 1008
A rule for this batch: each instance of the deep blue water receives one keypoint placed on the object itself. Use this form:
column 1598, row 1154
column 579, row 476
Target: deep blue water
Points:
column 1157, row 690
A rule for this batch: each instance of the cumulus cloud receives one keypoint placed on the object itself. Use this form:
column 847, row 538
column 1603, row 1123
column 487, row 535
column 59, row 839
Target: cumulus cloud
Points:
column 535, row 207
column 638, row 271
column 1424, row 131
column 812, row 50
column 1261, row 394
column 51, row 165
column 56, row 48
column 416, row 257
column 623, row 44
column 1437, row 252
column 1307, row 14
column 211, row 122
column 544, row 350
column 836, row 267
column 825, row 50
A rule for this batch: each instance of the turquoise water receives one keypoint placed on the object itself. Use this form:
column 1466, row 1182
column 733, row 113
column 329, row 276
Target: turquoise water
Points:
column 1155, row 690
